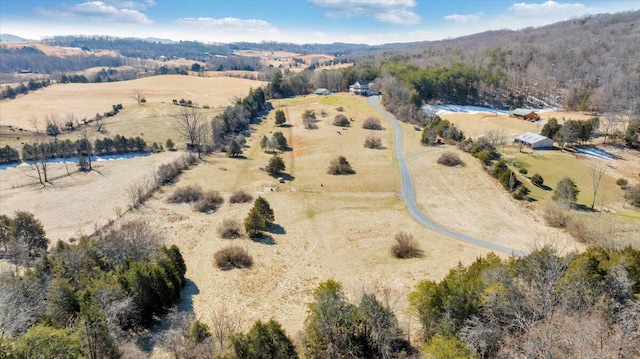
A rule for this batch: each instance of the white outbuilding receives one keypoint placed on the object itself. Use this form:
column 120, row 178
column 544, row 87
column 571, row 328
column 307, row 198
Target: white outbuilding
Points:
column 534, row 140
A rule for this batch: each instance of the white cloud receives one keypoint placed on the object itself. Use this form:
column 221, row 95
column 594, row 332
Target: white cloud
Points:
column 98, row 11
column 464, row 19
column 132, row 4
column 227, row 23
column 386, row 11
column 547, row 8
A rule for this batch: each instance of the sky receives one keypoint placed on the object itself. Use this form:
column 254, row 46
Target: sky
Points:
column 370, row 22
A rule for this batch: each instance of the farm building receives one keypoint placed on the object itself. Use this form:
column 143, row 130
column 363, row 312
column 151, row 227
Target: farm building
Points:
column 534, row 140
column 322, row 91
column 524, row 114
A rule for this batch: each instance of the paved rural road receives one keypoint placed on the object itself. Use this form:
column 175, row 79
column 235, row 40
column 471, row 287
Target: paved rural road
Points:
column 407, row 193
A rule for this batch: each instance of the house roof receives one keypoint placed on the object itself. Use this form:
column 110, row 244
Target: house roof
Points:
column 530, row 137
column 521, row 112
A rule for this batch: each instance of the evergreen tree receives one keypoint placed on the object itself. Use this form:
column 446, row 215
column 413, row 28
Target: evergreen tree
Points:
column 264, row 210
column 26, row 228
column 566, row 191
column 254, row 224
column 280, row 118
column 264, row 341
column 276, row 166
column 96, row 339
column 234, row 149
column 43, row 341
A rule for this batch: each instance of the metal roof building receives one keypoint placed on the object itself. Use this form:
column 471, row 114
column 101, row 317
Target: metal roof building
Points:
column 534, row 140
column 525, row 114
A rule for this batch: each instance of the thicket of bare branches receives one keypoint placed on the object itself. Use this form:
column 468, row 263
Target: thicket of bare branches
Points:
column 233, row 257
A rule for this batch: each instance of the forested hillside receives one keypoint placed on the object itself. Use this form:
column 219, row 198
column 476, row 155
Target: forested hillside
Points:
column 583, row 64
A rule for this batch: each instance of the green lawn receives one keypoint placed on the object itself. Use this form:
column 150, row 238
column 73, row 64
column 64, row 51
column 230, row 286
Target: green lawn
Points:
column 554, row 166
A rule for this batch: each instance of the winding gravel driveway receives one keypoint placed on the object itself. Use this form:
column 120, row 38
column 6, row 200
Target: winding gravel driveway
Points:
column 408, row 195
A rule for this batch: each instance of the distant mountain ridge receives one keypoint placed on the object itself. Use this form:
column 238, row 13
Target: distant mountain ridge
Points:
column 12, row 38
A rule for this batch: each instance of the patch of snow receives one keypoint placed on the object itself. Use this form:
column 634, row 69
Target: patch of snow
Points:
column 432, row 110
column 123, row 156
column 595, row 152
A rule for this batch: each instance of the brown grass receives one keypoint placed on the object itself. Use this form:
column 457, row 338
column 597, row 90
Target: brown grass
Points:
column 63, row 99
column 332, row 226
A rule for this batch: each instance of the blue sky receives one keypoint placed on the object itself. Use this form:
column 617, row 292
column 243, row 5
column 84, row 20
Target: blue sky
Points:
column 297, row 21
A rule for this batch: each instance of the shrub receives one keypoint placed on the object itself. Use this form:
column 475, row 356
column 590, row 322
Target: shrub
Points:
column 633, row 195
column 198, row 332
column 323, row 113
column 579, row 230
column 340, row 166
column 372, row 123
column 187, row 194
column 523, row 171
column 230, row 228
column 406, row 246
column 537, row 180
column 167, row 172
column 521, row 192
column 485, row 157
column 373, row 141
column 555, row 215
column 240, row 197
column 622, row 182
column 309, row 120
column 264, row 340
column 233, row 257
column 208, row 202
column 450, row 159
column 340, row 109
column 341, row 120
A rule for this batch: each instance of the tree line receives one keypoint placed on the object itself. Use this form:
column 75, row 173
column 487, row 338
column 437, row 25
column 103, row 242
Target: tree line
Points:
column 9, row 92
column 83, row 147
column 226, row 131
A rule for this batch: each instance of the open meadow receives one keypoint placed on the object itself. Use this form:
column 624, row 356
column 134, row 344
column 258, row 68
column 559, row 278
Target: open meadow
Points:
column 339, row 227
column 85, row 100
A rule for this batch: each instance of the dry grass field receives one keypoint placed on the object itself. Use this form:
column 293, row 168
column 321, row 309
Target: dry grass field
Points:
column 339, row 227
column 283, row 59
column 85, row 100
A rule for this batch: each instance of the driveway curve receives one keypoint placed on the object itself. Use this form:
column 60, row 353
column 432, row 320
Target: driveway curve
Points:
column 408, row 195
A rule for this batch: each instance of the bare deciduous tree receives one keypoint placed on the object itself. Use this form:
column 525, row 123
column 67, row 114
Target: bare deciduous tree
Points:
column 223, row 324
column 596, row 177
column 138, row 96
column 191, row 126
